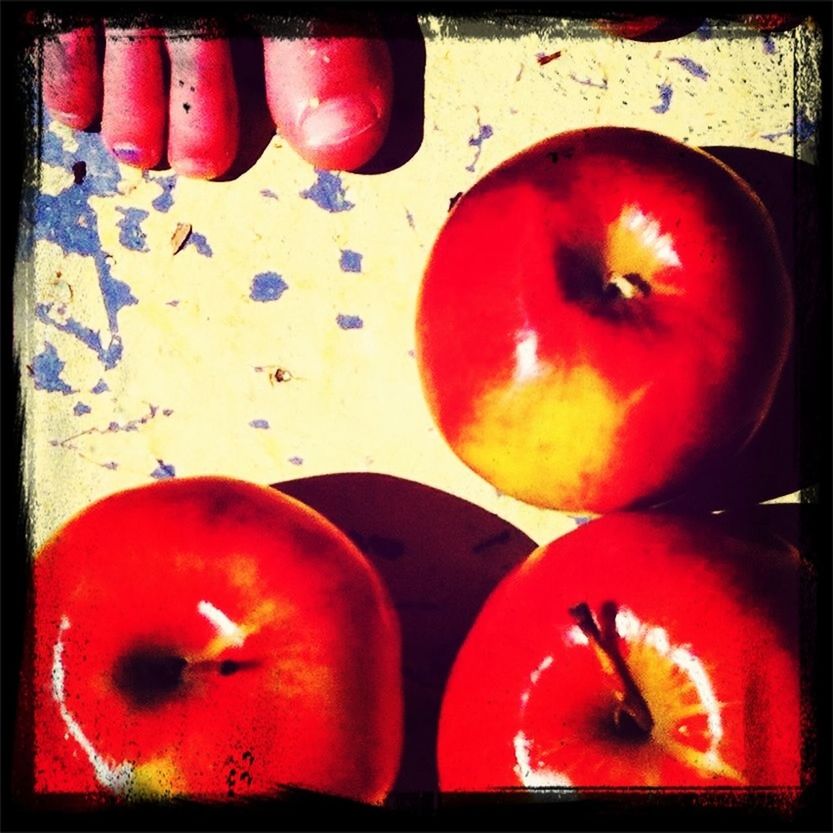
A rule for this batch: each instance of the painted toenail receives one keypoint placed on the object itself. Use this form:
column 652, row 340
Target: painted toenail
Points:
column 127, row 153
column 337, row 120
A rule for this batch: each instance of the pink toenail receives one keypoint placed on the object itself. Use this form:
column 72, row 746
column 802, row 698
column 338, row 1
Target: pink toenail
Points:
column 337, row 120
column 127, row 153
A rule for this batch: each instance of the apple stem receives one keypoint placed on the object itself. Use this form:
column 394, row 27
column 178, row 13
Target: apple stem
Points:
column 628, row 285
column 224, row 667
column 633, row 703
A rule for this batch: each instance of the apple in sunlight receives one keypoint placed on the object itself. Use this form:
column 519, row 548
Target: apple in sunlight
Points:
column 600, row 316
column 211, row 639
column 640, row 650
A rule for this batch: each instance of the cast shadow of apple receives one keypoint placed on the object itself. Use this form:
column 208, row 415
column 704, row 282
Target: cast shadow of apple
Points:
column 440, row 557
column 783, row 456
column 407, row 49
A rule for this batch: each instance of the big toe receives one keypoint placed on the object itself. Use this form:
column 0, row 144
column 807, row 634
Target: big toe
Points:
column 330, row 95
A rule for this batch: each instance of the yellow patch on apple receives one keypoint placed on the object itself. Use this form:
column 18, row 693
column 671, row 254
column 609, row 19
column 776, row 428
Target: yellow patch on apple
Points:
column 573, row 418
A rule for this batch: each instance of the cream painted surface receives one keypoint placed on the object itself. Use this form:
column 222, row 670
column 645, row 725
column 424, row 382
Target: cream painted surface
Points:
column 198, row 351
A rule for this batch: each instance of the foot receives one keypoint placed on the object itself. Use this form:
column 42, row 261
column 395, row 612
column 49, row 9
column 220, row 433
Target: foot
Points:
column 161, row 94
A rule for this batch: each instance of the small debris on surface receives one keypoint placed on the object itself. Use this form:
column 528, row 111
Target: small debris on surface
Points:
column 79, row 171
column 545, row 59
column 180, row 237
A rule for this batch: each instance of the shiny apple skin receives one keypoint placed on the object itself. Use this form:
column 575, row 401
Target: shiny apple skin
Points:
column 727, row 603
column 567, row 397
column 316, row 700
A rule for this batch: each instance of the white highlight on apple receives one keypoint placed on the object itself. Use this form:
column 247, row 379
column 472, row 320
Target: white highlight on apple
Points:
column 115, row 777
column 576, row 636
column 538, row 776
column 647, row 230
column 631, row 629
column 225, row 627
column 526, row 355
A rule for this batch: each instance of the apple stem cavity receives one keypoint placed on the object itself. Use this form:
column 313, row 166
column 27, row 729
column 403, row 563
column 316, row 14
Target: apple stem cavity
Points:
column 148, row 677
column 633, row 711
column 628, row 285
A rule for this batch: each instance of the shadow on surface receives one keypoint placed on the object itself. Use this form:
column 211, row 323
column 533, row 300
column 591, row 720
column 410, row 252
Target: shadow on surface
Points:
column 783, row 455
column 440, row 557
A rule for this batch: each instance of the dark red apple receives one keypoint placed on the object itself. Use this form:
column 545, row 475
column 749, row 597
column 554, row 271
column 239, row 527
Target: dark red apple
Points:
column 600, row 316
column 647, row 28
column 772, row 21
column 211, row 639
column 641, row 650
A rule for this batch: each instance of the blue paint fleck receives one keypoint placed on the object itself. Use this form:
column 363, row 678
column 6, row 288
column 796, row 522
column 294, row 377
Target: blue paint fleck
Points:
column 349, row 322
column 267, row 286
column 103, row 174
column 774, row 137
column 268, row 192
column 768, row 44
column 100, row 386
column 704, row 32
column 350, row 261
column 163, row 471
column 46, row 369
column 697, row 70
column 665, row 93
column 589, row 82
column 131, row 235
column 484, row 132
column 165, row 200
column 109, row 356
column 580, row 520
column 259, row 423
column 67, row 220
column 805, row 127
column 328, row 192
column 296, row 461
column 803, row 130
column 132, row 424
column 199, row 242
column 80, row 408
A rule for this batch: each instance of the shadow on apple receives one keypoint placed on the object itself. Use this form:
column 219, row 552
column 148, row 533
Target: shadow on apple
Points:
column 783, row 456
column 440, row 557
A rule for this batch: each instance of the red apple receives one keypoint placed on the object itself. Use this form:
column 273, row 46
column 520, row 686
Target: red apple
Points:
column 641, row 650
column 601, row 315
column 209, row 638
column 772, row 21
column 647, row 28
